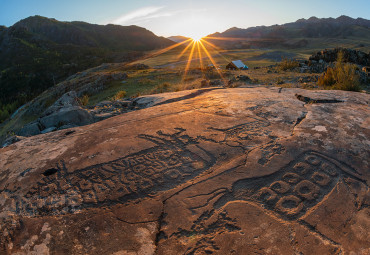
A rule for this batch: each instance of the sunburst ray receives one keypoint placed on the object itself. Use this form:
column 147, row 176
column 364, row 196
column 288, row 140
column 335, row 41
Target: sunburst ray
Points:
column 216, row 49
column 186, row 48
column 161, row 51
column 212, row 61
column 189, row 60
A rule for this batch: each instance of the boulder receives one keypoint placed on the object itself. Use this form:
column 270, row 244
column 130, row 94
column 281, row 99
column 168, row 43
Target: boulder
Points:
column 66, row 110
column 146, row 101
column 69, row 99
column 124, row 103
column 67, row 126
column 210, row 171
column 350, row 55
column 12, row 139
column 30, row 129
column 69, row 115
column 47, row 130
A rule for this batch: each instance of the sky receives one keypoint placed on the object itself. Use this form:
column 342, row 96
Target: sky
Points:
column 192, row 18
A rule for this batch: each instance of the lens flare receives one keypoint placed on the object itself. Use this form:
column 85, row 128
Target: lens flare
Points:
column 196, row 48
column 196, row 38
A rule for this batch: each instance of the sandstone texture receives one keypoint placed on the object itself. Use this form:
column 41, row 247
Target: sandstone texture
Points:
column 217, row 171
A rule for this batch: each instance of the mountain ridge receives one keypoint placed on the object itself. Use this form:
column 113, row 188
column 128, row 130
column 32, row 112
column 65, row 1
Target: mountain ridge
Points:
column 342, row 27
column 38, row 52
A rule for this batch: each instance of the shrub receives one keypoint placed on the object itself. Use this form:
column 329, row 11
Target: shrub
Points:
column 287, row 64
column 84, row 100
column 162, row 88
column 120, row 94
column 328, row 79
column 136, row 95
column 343, row 76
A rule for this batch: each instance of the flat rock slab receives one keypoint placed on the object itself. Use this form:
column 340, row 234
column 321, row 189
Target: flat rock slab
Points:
column 223, row 171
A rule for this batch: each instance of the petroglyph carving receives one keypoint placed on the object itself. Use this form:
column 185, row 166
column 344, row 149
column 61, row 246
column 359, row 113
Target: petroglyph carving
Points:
column 290, row 193
column 175, row 159
column 237, row 135
column 294, row 189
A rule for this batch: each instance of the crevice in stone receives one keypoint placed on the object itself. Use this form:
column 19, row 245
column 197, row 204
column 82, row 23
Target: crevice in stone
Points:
column 299, row 120
column 192, row 95
column 314, row 231
column 160, row 234
column 309, row 100
column 136, row 222
column 50, row 171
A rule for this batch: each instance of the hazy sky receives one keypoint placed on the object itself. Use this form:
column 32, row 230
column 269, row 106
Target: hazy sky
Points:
column 186, row 17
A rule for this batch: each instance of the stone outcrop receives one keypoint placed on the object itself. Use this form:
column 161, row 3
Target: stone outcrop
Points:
column 322, row 60
column 65, row 111
column 222, row 171
column 350, row 56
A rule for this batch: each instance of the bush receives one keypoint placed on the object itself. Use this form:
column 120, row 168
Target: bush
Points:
column 287, row 64
column 328, row 79
column 84, row 100
column 162, row 88
column 343, row 76
column 120, row 94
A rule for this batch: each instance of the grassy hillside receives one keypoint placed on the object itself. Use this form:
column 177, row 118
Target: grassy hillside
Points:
column 37, row 53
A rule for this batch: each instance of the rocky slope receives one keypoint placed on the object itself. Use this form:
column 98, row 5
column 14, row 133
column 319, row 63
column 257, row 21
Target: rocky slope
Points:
column 243, row 171
column 37, row 52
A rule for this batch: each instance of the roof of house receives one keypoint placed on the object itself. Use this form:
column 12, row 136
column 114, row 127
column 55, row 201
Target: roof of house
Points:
column 238, row 63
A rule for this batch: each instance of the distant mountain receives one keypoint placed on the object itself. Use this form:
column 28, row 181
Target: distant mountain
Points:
column 38, row 52
column 178, row 38
column 296, row 34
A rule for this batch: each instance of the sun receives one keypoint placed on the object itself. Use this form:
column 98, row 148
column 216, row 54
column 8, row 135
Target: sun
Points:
column 196, row 38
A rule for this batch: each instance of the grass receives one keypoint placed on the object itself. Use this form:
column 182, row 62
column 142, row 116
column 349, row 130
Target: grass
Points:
column 153, row 81
column 140, row 82
column 288, row 64
column 250, row 57
column 16, row 123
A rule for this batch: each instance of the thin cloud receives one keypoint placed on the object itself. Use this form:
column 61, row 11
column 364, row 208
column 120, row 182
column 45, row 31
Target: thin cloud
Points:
column 138, row 15
column 148, row 18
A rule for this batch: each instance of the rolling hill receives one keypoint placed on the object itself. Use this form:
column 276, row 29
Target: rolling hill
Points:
column 178, row 38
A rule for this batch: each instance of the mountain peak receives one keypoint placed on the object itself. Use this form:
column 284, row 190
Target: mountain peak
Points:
column 36, row 19
column 313, row 19
column 345, row 19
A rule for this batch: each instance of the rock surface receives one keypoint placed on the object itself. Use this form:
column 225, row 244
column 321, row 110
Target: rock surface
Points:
column 226, row 171
column 349, row 55
column 65, row 111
